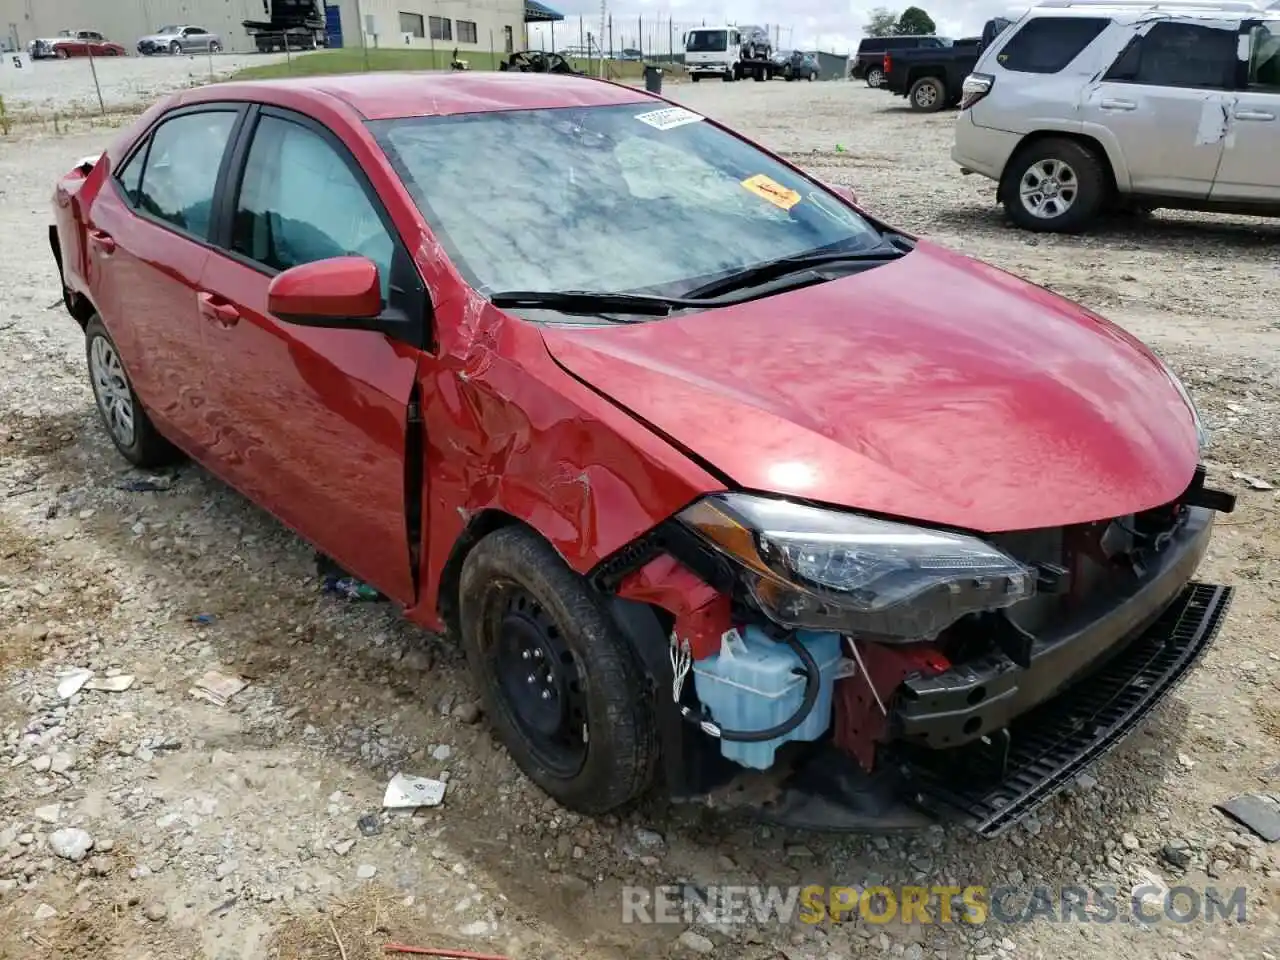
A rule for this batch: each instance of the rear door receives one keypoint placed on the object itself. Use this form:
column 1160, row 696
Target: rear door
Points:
column 312, row 423
column 149, row 235
column 1250, row 167
column 1165, row 100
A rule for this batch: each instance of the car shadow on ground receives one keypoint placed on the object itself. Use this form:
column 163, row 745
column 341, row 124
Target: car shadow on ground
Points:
column 1252, row 234
column 77, row 462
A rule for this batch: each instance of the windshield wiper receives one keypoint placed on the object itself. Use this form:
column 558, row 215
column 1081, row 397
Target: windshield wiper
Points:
column 773, row 269
column 591, row 302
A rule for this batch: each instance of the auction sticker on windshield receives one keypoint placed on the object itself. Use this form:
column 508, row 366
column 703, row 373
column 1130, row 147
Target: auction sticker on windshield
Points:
column 668, row 117
column 772, row 190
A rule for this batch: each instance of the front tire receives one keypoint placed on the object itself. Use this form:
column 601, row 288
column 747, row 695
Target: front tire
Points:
column 928, row 95
column 563, row 687
column 875, row 77
column 175, row 48
column 215, row 47
column 1054, row 186
column 127, row 423
column 695, row 77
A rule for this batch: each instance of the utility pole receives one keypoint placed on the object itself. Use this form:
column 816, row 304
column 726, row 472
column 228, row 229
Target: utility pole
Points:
column 600, row 35
column 364, row 41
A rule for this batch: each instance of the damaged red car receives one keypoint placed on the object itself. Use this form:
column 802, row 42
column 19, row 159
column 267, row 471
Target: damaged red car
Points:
column 721, row 482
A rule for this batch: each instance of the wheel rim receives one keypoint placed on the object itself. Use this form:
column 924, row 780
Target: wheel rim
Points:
column 926, row 95
column 1048, row 189
column 111, row 389
column 875, row 76
column 540, row 683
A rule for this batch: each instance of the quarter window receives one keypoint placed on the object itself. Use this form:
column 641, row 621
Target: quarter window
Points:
column 1264, row 58
column 181, row 171
column 300, row 202
column 1048, row 44
column 1179, row 55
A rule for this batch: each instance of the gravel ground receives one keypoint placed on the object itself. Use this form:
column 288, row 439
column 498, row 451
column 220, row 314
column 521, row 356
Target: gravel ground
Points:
column 148, row 823
column 66, row 86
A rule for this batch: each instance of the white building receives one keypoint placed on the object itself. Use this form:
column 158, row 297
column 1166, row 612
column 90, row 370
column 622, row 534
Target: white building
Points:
column 469, row 25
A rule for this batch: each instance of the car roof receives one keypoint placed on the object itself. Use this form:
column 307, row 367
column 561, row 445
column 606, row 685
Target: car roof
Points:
column 392, row 95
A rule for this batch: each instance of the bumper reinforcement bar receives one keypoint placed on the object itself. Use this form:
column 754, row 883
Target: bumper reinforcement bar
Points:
column 1043, row 750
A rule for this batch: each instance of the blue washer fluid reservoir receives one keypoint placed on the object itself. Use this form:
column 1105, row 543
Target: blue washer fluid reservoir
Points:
column 753, row 684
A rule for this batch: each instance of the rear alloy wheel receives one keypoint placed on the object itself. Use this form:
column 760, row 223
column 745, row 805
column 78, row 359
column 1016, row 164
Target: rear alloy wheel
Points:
column 1054, row 186
column 562, row 685
column 875, row 77
column 928, row 95
column 128, row 425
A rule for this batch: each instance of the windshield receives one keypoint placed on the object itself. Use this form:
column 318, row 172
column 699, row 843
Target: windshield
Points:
column 703, row 41
column 617, row 198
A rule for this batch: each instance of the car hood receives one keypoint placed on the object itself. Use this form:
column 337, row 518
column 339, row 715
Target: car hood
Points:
column 934, row 388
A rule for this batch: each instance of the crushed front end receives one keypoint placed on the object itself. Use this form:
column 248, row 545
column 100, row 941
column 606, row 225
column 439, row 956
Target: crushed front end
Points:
column 976, row 676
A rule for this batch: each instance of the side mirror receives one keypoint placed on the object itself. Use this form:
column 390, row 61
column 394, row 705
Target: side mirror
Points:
column 844, row 193
column 342, row 292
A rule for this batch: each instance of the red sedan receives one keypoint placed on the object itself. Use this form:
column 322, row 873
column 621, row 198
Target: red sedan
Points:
column 714, row 476
column 75, row 43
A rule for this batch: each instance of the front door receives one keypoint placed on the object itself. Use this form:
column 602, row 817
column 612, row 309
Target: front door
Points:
column 1250, row 168
column 1165, row 101
column 313, row 422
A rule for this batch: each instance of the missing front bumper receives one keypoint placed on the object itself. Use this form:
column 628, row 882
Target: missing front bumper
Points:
column 1047, row 747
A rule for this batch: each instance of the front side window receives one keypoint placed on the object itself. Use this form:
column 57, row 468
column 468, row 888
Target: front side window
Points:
column 619, row 198
column 1264, row 57
column 181, row 169
column 1179, row 55
column 300, row 202
column 1048, row 44
column 707, row 41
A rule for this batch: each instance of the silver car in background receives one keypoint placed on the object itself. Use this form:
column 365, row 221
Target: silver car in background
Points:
column 1083, row 107
column 179, row 39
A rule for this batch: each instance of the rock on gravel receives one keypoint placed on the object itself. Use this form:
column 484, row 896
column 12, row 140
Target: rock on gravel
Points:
column 71, row 844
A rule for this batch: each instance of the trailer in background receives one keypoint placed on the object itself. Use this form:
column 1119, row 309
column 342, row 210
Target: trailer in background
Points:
column 293, row 25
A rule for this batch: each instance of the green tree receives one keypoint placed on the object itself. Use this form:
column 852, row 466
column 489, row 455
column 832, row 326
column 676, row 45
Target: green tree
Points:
column 915, row 22
column 881, row 22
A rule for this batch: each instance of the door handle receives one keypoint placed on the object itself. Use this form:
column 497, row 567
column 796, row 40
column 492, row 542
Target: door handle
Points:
column 1253, row 115
column 218, row 310
column 103, row 241
column 1110, row 104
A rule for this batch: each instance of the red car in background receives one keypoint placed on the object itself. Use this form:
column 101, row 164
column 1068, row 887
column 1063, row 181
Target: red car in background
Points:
column 715, row 476
column 74, row 43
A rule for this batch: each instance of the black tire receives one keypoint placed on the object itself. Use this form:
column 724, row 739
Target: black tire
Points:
column 693, row 77
column 875, row 77
column 215, row 47
column 927, row 95
column 516, row 566
column 1093, row 185
column 175, row 48
column 147, row 448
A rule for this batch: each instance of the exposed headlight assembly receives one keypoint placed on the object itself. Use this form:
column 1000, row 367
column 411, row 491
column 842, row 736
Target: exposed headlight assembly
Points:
column 820, row 569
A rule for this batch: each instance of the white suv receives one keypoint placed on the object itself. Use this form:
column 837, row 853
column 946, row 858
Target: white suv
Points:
column 1083, row 107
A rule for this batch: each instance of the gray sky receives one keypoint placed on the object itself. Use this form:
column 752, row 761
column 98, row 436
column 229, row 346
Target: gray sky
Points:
column 830, row 24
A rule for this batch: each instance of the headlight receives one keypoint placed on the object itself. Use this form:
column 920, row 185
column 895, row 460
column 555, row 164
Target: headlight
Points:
column 1202, row 435
column 825, row 569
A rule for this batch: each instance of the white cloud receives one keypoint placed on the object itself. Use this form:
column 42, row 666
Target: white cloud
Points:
column 836, row 27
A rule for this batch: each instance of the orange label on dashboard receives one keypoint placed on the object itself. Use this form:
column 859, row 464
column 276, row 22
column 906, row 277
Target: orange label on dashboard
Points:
column 772, row 190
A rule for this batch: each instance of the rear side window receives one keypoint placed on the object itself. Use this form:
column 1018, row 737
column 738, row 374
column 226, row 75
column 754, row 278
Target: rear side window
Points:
column 1048, row 44
column 1264, row 58
column 1179, row 55
column 181, row 169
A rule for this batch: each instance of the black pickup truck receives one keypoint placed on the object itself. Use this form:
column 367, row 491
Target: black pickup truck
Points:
column 930, row 78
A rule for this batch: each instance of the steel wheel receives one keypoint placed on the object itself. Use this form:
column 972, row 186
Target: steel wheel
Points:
column 111, row 389
column 540, row 683
column 1048, row 188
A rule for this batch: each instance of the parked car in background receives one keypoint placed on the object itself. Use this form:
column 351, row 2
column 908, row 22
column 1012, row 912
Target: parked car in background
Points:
column 868, row 62
column 817, row 498
column 801, row 66
column 1080, row 109
column 931, row 77
column 180, row 39
column 74, row 43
